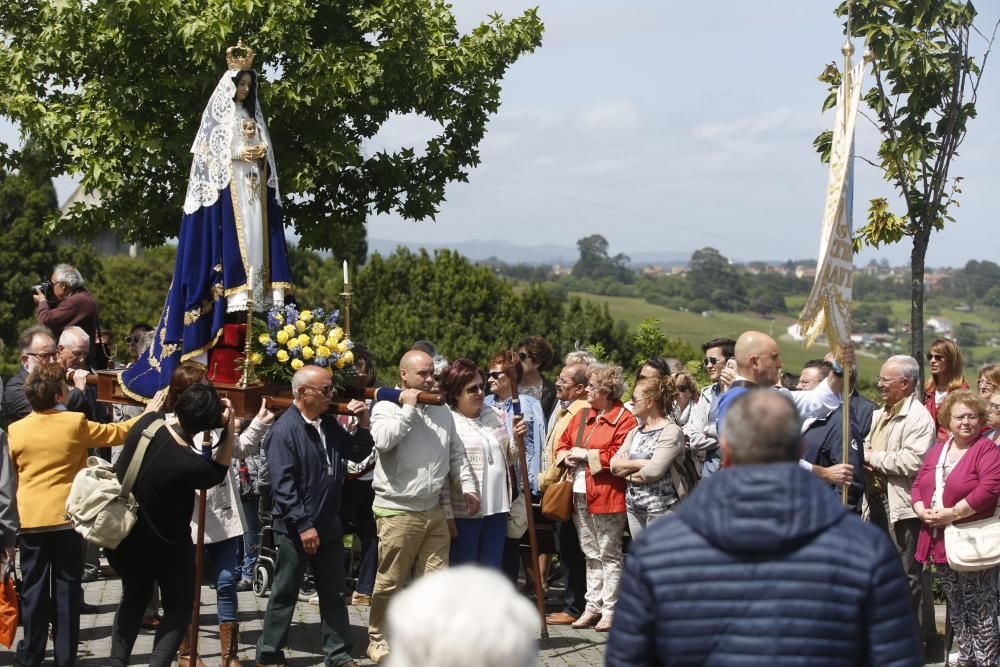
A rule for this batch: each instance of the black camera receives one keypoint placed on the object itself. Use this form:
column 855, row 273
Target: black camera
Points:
column 45, row 287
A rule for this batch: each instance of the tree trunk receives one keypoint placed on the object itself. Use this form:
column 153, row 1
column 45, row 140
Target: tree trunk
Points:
column 917, row 257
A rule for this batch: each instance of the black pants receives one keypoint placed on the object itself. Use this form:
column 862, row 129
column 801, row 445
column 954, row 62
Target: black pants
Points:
column 51, row 568
column 142, row 564
column 573, row 567
column 356, row 511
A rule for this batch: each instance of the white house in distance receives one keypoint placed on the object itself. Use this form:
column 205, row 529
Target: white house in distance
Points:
column 105, row 243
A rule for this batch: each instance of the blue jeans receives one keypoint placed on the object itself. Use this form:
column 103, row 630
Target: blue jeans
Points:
column 479, row 540
column 251, row 539
column 224, row 557
column 713, row 463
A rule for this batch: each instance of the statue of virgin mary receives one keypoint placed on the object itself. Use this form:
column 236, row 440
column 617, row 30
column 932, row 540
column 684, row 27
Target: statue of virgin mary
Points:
column 231, row 239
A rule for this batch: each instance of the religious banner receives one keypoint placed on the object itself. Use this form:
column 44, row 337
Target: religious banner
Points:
column 828, row 308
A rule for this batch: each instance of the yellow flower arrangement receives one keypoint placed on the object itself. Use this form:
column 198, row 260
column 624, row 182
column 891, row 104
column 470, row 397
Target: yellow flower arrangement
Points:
column 322, row 351
column 318, row 340
column 297, row 364
column 306, row 315
column 264, row 339
column 282, row 356
column 281, row 337
column 300, row 326
column 318, row 328
column 292, row 339
column 307, row 352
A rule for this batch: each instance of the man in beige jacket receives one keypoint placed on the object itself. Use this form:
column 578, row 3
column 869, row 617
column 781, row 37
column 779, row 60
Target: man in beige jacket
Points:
column 902, row 432
column 571, row 392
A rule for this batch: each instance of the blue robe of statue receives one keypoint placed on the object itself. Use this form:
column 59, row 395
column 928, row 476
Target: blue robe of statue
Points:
column 225, row 233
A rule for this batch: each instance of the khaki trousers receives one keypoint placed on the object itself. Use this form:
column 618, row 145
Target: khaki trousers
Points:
column 415, row 542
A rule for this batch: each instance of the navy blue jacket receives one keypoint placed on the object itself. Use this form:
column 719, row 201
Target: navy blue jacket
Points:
column 305, row 495
column 763, row 566
column 822, row 443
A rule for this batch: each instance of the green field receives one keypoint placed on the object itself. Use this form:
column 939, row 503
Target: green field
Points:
column 696, row 329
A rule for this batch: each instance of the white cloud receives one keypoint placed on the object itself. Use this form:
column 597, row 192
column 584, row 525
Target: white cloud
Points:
column 616, row 114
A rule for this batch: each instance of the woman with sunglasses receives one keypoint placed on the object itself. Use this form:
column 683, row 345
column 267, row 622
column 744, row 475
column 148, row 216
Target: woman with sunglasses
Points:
column 687, row 396
column 479, row 538
column 947, row 374
column 649, row 451
column 535, row 354
column 959, row 482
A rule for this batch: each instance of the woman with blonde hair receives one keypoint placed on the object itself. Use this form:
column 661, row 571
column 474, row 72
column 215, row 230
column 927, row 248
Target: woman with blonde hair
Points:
column 959, row 482
column 599, row 495
column 947, row 374
column 648, row 453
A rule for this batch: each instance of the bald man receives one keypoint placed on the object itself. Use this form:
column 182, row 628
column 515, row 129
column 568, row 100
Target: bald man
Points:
column 419, row 457
column 758, row 364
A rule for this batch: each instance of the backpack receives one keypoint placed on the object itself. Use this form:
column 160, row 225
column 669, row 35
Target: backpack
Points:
column 684, row 472
column 101, row 508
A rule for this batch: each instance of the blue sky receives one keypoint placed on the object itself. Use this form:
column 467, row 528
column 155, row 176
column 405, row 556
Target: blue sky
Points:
column 676, row 124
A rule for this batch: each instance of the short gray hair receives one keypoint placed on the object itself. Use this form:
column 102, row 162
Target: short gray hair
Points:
column 762, row 426
column 72, row 335
column 27, row 337
column 465, row 615
column 580, row 357
column 908, row 367
column 68, row 275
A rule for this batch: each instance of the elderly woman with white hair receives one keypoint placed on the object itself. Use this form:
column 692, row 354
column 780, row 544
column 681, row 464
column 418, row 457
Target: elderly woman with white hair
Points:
column 466, row 615
column 599, row 495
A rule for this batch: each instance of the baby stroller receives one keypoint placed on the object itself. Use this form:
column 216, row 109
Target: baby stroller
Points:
column 263, row 568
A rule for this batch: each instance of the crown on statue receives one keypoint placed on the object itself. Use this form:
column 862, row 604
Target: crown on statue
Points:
column 240, row 56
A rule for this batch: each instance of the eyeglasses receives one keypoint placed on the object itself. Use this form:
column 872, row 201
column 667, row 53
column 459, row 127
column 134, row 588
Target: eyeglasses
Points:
column 326, row 389
column 710, row 361
column 881, row 380
column 42, row 355
column 934, row 357
column 495, row 375
column 474, row 389
column 986, row 384
column 965, row 418
column 994, row 407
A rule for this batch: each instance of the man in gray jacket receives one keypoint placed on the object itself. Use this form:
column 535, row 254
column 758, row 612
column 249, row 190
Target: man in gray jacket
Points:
column 419, row 455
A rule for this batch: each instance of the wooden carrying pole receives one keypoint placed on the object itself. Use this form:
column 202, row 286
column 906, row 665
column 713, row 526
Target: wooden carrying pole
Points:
column 845, row 426
column 526, row 495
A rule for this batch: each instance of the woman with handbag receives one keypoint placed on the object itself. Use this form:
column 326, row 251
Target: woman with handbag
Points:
column 480, row 538
column 48, row 448
column 159, row 548
column 649, row 451
column 959, row 483
column 598, row 495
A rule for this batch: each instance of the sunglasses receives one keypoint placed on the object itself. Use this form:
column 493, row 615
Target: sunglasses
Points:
column 710, row 361
column 474, row 389
column 934, row 357
column 495, row 375
column 132, row 339
column 326, row 389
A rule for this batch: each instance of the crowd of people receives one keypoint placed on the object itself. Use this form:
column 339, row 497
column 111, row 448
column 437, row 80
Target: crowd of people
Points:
column 705, row 521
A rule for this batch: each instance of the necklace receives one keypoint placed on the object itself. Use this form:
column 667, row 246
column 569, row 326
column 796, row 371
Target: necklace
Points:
column 488, row 440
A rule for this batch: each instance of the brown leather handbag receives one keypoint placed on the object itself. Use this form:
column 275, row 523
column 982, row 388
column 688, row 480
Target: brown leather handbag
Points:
column 557, row 501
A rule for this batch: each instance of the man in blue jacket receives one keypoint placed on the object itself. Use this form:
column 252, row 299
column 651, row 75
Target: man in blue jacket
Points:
column 306, row 451
column 761, row 564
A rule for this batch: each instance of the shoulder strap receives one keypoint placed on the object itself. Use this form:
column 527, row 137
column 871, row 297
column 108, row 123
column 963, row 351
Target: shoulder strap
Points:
column 140, row 452
column 583, row 424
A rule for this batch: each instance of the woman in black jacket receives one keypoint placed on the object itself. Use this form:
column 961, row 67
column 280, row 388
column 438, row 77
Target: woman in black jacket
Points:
column 159, row 548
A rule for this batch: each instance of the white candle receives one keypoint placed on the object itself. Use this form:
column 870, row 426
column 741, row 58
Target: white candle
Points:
column 346, row 279
column 250, row 282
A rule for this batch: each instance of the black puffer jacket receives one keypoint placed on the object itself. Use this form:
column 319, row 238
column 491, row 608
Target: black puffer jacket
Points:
column 763, row 566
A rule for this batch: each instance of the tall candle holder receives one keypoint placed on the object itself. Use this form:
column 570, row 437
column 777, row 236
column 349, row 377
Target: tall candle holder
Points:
column 249, row 374
column 347, row 309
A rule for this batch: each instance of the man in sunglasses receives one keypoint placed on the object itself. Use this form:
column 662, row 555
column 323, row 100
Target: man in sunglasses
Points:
column 38, row 346
column 700, row 428
column 306, row 454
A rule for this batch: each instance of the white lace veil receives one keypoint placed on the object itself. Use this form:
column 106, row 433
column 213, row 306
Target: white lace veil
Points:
column 212, row 145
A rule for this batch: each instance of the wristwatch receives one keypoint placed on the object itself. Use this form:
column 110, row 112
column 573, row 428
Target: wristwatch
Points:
column 838, row 370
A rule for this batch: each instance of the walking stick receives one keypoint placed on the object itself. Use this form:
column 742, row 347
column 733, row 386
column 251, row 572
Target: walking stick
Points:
column 206, row 451
column 526, row 494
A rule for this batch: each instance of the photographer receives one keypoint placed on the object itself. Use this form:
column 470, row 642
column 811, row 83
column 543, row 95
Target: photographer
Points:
column 64, row 302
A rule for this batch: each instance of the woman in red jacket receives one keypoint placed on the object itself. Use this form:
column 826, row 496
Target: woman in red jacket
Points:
column 598, row 495
column 947, row 374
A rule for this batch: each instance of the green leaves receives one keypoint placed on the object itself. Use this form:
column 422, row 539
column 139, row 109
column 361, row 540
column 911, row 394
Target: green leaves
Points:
column 112, row 93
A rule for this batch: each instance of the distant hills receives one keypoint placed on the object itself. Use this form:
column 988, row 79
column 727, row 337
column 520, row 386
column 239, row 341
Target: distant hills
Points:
column 512, row 253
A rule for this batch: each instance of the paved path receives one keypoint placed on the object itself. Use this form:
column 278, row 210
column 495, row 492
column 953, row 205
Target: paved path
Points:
column 565, row 645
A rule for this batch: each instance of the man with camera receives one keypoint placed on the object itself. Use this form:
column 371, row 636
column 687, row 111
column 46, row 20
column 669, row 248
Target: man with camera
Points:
column 63, row 301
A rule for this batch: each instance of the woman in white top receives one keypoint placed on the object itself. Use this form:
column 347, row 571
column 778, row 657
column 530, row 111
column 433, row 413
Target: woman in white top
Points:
column 224, row 520
column 479, row 538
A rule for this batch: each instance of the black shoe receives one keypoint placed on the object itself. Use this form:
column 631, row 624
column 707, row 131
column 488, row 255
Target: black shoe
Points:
column 88, row 608
column 88, row 577
column 244, row 585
